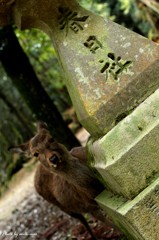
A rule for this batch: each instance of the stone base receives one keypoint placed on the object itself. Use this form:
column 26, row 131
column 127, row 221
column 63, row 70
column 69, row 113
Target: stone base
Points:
column 138, row 218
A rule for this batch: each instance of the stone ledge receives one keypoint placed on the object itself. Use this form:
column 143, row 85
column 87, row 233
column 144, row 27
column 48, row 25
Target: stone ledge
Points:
column 139, row 218
column 128, row 156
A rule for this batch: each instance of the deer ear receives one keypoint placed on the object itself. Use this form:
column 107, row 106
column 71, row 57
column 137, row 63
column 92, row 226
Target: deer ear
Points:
column 21, row 149
column 41, row 125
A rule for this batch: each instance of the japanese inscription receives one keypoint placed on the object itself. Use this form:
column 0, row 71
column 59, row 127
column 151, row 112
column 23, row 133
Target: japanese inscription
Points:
column 93, row 44
column 114, row 66
column 70, row 20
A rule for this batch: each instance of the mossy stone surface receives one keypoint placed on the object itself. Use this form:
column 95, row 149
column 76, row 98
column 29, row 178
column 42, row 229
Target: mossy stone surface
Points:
column 128, row 156
column 108, row 69
column 137, row 218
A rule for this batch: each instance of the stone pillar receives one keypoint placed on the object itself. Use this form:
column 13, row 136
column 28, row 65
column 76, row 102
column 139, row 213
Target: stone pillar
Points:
column 127, row 158
column 112, row 75
column 108, row 69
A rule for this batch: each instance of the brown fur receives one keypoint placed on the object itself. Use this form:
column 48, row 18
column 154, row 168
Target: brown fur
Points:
column 69, row 183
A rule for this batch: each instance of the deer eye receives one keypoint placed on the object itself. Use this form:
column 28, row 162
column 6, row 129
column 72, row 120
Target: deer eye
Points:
column 54, row 160
column 36, row 154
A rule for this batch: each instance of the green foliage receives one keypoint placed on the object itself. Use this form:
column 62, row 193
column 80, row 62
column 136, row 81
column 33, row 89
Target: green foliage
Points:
column 130, row 13
column 41, row 54
column 98, row 7
column 125, row 6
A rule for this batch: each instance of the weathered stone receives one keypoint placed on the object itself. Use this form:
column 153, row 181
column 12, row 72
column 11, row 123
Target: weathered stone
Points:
column 139, row 218
column 128, row 156
column 108, row 69
column 109, row 72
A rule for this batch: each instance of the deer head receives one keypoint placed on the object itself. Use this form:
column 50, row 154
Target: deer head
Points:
column 42, row 146
column 57, row 159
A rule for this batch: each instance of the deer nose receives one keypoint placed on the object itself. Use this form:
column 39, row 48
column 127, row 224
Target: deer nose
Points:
column 36, row 154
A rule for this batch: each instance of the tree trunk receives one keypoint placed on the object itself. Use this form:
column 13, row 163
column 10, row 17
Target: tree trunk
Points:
column 19, row 69
column 20, row 117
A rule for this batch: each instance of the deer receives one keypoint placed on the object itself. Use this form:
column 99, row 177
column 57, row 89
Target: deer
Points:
column 63, row 177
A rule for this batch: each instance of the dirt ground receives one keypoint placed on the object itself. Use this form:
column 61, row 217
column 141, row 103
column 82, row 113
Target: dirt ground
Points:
column 24, row 215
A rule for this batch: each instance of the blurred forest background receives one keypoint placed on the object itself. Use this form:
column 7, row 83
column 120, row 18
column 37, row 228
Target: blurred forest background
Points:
column 31, row 83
